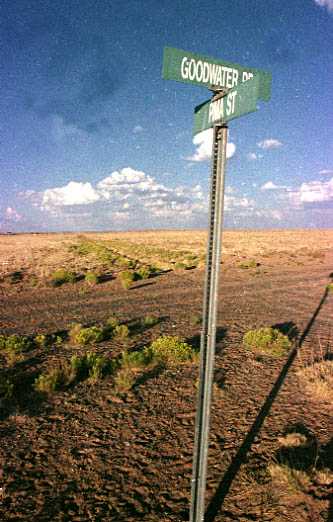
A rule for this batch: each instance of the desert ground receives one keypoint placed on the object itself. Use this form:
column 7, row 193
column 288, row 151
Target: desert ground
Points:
column 116, row 444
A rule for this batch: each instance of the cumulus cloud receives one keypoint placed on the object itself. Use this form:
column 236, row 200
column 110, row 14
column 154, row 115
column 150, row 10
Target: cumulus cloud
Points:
column 326, row 171
column 204, row 143
column 270, row 185
column 124, row 193
column 252, row 156
column 313, row 192
column 269, row 143
column 325, row 3
column 137, row 129
column 12, row 215
column 74, row 193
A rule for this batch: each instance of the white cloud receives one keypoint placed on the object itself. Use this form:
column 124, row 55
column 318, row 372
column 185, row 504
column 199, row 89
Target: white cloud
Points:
column 270, row 185
column 313, row 192
column 326, row 171
column 269, row 143
column 12, row 215
column 325, row 3
column 74, row 193
column 252, row 156
column 123, row 193
column 137, row 129
column 204, row 143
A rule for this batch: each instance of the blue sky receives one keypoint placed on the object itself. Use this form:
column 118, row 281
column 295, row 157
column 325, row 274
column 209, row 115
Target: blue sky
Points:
column 92, row 137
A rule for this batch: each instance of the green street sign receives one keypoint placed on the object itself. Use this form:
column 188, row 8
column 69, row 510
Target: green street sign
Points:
column 196, row 69
column 237, row 102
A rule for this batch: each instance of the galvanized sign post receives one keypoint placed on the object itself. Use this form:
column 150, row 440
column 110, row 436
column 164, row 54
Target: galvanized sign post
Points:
column 208, row 334
column 236, row 92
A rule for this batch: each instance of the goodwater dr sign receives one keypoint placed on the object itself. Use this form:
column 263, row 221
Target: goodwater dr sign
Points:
column 187, row 67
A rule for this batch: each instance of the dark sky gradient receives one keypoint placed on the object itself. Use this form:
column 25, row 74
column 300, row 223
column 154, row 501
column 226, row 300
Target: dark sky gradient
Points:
column 81, row 97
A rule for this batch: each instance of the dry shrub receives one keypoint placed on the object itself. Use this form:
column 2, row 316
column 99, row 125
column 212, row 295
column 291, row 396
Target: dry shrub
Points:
column 317, row 380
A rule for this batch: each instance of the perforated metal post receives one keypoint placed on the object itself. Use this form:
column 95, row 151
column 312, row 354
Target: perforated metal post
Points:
column 208, row 334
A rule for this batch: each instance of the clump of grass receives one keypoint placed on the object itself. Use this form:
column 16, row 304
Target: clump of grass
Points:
column 127, row 278
column 169, row 350
column 112, row 322
column 143, row 272
column 54, row 379
column 6, row 388
column 180, row 266
column 62, row 276
column 250, row 263
column 86, row 335
column 288, row 478
column 14, row 346
column 90, row 366
column 121, row 331
column 134, row 360
column 41, row 340
column 317, row 380
column 293, row 440
column 15, row 343
column 269, row 341
column 150, row 320
column 91, row 278
column 330, row 287
column 195, row 319
column 124, row 380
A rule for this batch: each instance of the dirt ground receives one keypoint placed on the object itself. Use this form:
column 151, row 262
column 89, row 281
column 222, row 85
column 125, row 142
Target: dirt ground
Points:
column 89, row 453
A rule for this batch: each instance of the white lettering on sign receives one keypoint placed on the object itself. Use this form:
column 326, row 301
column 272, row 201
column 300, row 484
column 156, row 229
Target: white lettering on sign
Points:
column 222, row 107
column 216, row 75
column 231, row 99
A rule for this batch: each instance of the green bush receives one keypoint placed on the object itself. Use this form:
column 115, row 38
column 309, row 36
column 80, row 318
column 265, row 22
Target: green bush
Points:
column 41, row 340
column 83, row 336
column 127, row 278
column 143, row 272
column 6, row 388
column 91, row 278
column 136, row 359
column 112, row 322
column 62, row 276
column 181, row 266
column 251, row 263
column 54, row 379
column 330, row 287
column 195, row 319
column 121, row 331
column 169, row 349
column 267, row 340
column 15, row 343
column 150, row 320
column 90, row 365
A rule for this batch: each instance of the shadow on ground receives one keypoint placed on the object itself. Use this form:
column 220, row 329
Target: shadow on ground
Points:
column 226, row 482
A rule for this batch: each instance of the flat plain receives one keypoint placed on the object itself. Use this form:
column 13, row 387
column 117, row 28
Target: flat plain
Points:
column 120, row 449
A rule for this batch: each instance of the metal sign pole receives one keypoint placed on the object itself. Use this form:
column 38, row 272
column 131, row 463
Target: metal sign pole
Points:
column 208, row 334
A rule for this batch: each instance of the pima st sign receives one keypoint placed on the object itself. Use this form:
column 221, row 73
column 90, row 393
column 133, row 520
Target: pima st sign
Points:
column 187, row 67
column 238, row 101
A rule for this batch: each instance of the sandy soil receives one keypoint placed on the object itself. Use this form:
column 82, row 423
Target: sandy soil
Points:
column 89, row 453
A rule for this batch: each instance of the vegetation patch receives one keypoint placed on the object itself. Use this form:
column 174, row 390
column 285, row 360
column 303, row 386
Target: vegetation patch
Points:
column 268, row 341
column 62, row 276
column 121, row 331
column 169, row 349
column 6, row 388
column 150, row 320
column 250, row 263
column 81, row 335
column 91, row 278
column 88, row 366
column 127, row 278
column 317, row 380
